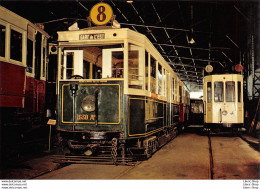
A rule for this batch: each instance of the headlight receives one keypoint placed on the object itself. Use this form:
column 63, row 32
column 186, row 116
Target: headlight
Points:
column 88, row 103
column 224, row 113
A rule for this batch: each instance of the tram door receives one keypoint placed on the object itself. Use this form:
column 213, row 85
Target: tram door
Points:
column 39, row 70
column 207, row 89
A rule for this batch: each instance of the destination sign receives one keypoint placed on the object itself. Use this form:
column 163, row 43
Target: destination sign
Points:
column 96, row 36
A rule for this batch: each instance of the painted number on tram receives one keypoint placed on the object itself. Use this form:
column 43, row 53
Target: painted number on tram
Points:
column 101, row 14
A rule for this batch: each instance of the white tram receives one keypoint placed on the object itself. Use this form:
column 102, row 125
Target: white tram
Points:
column 223, row 101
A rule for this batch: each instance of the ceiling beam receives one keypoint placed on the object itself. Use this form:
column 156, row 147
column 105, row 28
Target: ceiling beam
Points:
column 188, row 58
column 185, row 65
column 185, row 47
column 167, row 28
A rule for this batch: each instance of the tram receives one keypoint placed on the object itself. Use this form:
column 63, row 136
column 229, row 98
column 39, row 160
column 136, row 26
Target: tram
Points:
column 23, row 62
column 223, row 101
column 115, row 91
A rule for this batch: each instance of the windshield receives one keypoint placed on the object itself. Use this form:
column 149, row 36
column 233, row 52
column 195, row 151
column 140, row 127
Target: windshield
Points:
column 93, row 62
column 230, row 91
column 218, row 94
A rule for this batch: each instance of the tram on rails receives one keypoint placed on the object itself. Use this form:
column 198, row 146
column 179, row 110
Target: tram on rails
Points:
column 115, row 91
column 223, row 101
column 23, row 61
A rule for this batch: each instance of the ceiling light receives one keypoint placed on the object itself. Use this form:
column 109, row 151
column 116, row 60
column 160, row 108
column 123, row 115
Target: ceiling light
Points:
column 192, row 41
column 129, row 1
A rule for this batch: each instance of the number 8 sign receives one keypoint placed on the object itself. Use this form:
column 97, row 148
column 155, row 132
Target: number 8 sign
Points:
column 101, row 14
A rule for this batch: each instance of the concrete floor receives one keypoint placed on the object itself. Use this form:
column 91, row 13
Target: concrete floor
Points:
column 234, row 159
column 186, row 157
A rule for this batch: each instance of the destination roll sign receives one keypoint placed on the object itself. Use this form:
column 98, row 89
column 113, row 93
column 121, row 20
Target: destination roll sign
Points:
column 101, row 14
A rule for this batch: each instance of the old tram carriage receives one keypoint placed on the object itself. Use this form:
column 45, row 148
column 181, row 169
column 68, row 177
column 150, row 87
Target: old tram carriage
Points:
column 23, row 61
column 223, row 101
column 116, row 93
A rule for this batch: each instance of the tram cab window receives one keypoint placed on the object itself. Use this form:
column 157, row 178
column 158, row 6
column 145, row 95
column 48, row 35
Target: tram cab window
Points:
column 93, row 62
column 230, row 91
column 209, row 92
column 97, row 72
column 112, row 62
column 117, row 64
column 86, row 68
column 2, row 40
column 69, row 65
column 16, row 45
column 153, row 74
column 218, row 92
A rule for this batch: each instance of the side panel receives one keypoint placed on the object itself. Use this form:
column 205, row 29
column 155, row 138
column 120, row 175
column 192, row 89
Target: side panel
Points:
column 12, row 85
column 147, row 115
column 181, row 113
column 34, row 96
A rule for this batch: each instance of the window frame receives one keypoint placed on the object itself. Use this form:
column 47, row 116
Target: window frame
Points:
column 44, row 57
column 22, row 62
column 234, row 91
column 6, row 40
column 239, row 92
column 223, row 91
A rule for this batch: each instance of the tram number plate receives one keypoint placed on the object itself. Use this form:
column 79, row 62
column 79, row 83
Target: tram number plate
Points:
column 92, row 36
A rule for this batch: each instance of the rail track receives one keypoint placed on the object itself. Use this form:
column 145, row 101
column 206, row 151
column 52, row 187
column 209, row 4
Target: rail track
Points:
column 211, row 163
column 82, row 159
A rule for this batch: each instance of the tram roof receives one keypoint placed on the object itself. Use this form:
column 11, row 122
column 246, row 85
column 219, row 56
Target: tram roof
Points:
column 18, row 21
column 71, row 38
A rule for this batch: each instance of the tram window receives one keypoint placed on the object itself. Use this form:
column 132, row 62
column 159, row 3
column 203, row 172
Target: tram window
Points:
column 2, row 40
column 133, row 71
column 230, row 91
column 29, row 56
column 173, row 90
column 43, row 61
column 97, row 72
column 16, row 45
column 209, row 89
column 70, row 65
column 117, row 64
column 86, row 68
column 146, row 70
column 38, row 55
column 153, row 74
column 239, row 91
column 180, row 93
column 160, row 76
column 166, row 84
column 218, row 94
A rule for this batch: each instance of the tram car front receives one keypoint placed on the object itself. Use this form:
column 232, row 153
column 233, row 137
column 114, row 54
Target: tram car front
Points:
column 115, row 91
column 223, row 101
